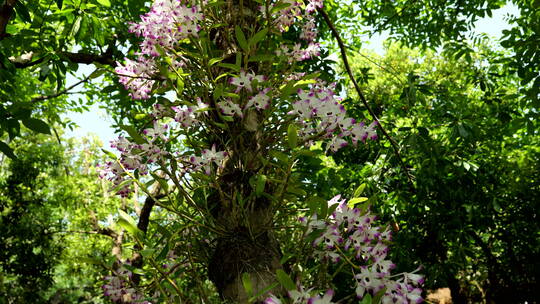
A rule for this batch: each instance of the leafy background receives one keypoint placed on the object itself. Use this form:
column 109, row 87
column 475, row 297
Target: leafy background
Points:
column 463, row 110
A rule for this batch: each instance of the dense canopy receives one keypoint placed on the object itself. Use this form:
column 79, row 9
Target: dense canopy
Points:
column 264, row 155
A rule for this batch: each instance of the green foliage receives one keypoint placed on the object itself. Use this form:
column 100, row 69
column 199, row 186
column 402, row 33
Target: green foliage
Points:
column 43, row 43
column 27, row 249
column 446, row 25
column 466, row 122
column 466, row 138
column 44, row 216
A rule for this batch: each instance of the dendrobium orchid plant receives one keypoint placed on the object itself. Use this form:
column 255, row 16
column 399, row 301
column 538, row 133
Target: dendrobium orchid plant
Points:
column 238, row 98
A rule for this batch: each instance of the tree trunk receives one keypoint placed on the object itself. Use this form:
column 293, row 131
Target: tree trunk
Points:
column 249, row 245
column 242, row 253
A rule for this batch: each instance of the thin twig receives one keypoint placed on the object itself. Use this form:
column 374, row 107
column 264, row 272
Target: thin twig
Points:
column 81, row 232
column 361, row 95
column 62, row 92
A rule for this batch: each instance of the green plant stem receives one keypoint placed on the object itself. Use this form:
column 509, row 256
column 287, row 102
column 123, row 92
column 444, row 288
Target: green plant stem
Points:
column 347, row 258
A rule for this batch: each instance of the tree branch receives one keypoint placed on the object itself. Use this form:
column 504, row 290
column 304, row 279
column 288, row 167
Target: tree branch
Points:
column 105, row 58
column 84, row 58
column 144, row 218
column 144, row 221
column 62, row 92
column 361, row 95
column 98, row 229
column 103, row 232
column 6, row 10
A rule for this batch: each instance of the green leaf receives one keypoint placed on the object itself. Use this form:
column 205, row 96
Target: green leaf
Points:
column 13, row 128
column 366, row 299
column 359, row 190
column 128, row 223
column 37, row 125
column 258, row 37
column 133, row 269
column 246, row 281
column 262, row 292
column 162, row 182
column 280, row 156
column 357, row 200
column 308, row 153
column 135, row 7
column 97, row 73
column 220, row 87
column 233, row 67
column 89, row 260
column 133, row 133
column 109, row 153
column 313, row 205
column 287, row 90
column 285, row 258
column 164, row 231
column 76, row 26
column 59, row 74
column 140, row 116
column 147, row 252
column 163, row 253
column 127, row 217
column 83, row 29
column 323, row 211
column 296, row 190
column 462, row 131
column 238, row 60
column 4, row 148
column 378, row 296
column 97, row 31
column 106, row 3
column 279, row 7
column 133, row 230
column 241, row 38
column 22, row 11
column 231, row 95
column 312, row 236
column 261, row 182
column 213, row 61
column 292, row 136
column 302, row 83
column 285, row 280
column 179, row 85
column 227, row 118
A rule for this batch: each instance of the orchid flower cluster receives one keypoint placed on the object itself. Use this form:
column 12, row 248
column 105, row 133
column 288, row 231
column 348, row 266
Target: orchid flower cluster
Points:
column 302, row 296
column 167, row 23
column 138, row 157
column 171, row 21
column 286, row 17
column 320, row 113
column 134, row 157
column 118, row 289
column 352, row 232
column 316, row 109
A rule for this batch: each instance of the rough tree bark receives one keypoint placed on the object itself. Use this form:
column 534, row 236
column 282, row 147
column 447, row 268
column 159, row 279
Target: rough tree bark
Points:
column 249, row 244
